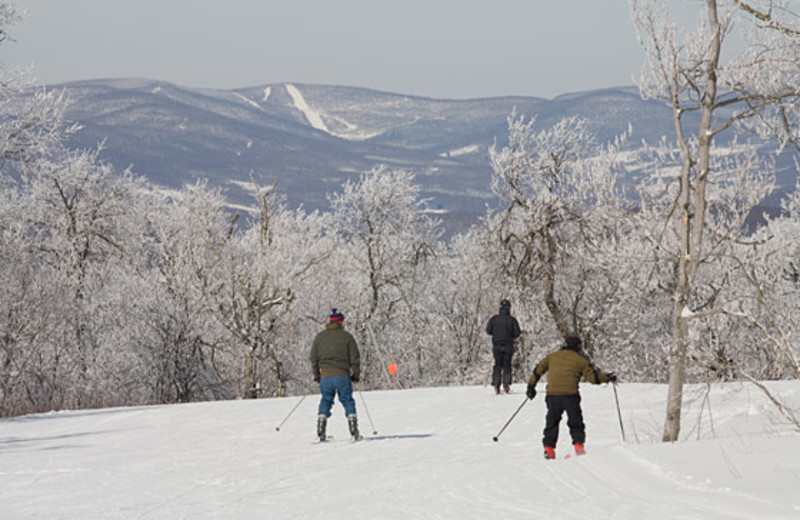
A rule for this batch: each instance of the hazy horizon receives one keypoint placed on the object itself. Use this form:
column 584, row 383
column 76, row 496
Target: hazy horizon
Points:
column 448, row 49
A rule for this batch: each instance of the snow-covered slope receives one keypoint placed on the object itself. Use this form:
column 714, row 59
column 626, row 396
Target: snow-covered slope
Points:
column 431, row 458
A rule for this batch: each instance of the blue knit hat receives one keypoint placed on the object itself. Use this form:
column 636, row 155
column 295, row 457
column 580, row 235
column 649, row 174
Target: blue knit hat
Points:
column 336, row 316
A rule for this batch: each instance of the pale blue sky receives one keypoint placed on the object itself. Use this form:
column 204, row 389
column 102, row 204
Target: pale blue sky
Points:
column 436, row 48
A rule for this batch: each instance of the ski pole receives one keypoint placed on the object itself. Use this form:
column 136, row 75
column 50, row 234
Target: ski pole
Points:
column 374, row 431
column 619, row 413
column 497, row 437
column 278, row 428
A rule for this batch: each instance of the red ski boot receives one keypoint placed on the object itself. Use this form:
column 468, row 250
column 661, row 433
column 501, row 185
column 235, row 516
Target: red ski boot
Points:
column 579, row 449
column 549, row 453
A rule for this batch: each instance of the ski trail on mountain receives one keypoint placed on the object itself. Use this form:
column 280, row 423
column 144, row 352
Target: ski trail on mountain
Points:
column 313, row 117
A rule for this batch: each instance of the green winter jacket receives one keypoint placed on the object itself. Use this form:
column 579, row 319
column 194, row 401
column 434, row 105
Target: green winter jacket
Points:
column 566, row 368
column 335, row 352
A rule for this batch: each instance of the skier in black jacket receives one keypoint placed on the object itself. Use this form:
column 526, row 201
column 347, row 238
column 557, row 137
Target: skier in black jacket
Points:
column 504, row 329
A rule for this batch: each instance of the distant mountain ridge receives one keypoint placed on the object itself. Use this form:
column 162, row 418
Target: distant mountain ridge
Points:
column 311, row 138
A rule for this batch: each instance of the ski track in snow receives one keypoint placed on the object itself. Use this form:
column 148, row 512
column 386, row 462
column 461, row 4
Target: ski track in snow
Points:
column 432, row 458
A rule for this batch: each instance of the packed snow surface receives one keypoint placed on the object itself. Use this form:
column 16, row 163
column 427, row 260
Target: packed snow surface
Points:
column 432, row 458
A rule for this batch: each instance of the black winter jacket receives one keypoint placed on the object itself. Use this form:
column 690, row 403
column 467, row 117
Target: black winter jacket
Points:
column 504, row 329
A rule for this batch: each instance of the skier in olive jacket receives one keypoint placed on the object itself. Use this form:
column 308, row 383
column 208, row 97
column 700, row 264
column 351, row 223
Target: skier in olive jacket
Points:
column 566, row 367
column 335, row 361
column 504, row 329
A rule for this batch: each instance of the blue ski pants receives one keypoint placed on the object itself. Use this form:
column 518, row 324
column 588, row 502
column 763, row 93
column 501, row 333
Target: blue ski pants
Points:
column 329, row 387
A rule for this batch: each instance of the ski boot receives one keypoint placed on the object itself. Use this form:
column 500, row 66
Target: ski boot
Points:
column 549, row 453
column 579, row 450
column 507, row 389
column 497, row 390
column 322, row 422
column 352, row 423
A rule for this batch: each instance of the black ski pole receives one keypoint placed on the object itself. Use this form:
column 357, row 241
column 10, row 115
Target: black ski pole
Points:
column 497, row 437
column 619, row 413
column 278, row 428
column 374, row 431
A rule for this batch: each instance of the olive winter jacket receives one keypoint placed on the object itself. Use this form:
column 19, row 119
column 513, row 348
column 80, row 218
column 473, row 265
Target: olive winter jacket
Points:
column 335, row 352
column 566, row 367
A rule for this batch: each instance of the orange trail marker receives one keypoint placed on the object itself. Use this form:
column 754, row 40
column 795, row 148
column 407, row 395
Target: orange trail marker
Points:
column 392, row 368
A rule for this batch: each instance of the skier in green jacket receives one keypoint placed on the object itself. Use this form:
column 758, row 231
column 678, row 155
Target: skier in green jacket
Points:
column 566, row 367
column 335, row 361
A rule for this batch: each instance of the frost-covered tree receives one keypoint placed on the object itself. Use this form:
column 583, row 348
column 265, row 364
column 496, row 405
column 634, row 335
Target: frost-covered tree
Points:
column 710, row 91
column 768, row 301
column 390, row 238
column 60, row 222
column 258, row 272
column 25, row 312
column 467, row 283
column 32, row 120
column 561, row 217
column 82, row 225
column 180, row 351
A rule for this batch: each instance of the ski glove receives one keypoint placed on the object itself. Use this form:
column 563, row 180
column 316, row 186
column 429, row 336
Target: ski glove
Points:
column 316, row 377
column 354, row 378
column 611, row 377
column 531, row 391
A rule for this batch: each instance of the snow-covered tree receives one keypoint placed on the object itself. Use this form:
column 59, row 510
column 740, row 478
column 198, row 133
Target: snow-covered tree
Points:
column 60, row 220
column 768, row 300
column 562, row 216
column 32, row 120
column 711, row 90
column 390, row 237
column 258, row 273
column 79, row 213
column 180, row 351
column 467, row 283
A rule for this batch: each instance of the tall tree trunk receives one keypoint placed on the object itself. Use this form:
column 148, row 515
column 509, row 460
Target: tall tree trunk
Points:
column 549, row 258
column 692, row 210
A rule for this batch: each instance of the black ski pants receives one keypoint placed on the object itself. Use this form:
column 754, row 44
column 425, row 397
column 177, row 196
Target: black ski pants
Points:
column 556, row 406
column 501, row 372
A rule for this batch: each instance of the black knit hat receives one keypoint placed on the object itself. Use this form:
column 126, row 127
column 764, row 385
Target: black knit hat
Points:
column 505, row 304
column 573, row 343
